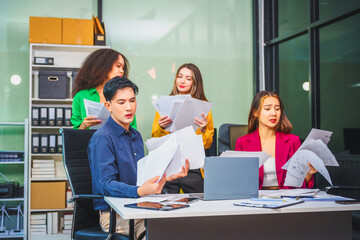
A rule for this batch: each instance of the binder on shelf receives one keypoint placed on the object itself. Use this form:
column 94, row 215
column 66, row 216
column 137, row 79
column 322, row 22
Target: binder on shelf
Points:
column 35, row 116
column 59, row 144
column 44, row 143
column 59, row 116
column 51, row 116
column 67, row 116
column 43, row 116
column 35, row 143
column 52, row 143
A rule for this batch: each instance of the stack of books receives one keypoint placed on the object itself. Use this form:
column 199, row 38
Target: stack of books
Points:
column 12, row 156
column 38, row 224
column 67, row 223
column 43, row 169
column 52, row 226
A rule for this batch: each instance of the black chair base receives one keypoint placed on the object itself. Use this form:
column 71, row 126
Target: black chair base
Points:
column 97, row 234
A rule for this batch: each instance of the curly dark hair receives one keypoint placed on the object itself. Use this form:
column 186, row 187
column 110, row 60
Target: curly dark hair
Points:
column 96, row 68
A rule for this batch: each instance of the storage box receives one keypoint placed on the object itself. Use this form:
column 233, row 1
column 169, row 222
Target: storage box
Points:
column 45, row 30
column 48, row 195
column 53, row 84
column 77, row 31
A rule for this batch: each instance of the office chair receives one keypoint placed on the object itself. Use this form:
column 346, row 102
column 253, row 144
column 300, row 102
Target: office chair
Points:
column 86, row 218
column 212, row 151
column 346, row 183
column 228, row 134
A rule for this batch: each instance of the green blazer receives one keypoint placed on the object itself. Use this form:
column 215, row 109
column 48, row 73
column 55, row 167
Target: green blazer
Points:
column 78, row 108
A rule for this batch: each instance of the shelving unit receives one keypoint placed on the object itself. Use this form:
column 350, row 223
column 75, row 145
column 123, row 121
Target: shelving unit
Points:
column 67, row 58
column 18, row 199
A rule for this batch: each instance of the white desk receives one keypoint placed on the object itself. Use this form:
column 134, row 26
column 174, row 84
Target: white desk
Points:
column 223, row 220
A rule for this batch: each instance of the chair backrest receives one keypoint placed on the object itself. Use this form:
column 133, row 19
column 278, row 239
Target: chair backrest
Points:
column 78, row 171
column 228, row 134
column 212, row 151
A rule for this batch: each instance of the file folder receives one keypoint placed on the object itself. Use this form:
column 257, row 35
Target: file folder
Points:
column 43, row 116
column 59, row 116
column 67, row 116
column 35, row 142
column 35, row 116
column 51, row 116
column 59, row 144
column 44, row 143
column 52, row 143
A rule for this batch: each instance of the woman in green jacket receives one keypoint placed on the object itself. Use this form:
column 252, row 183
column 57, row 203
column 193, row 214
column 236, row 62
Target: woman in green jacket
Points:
column 98, row 68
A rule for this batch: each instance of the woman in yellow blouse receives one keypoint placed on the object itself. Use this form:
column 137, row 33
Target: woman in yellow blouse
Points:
column 188, row 80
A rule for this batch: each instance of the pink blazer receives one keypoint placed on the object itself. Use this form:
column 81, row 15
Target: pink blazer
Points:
column 285, row 146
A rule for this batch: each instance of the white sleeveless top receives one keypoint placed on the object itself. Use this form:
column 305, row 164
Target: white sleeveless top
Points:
column 270, row 179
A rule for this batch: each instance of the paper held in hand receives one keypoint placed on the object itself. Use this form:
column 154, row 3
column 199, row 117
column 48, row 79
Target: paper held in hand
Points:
column 313, row 151
column 168, row 153
column 181, row 109
column 263, row 156
column 97, row 110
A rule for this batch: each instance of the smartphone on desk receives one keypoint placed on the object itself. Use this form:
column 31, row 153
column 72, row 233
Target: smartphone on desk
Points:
column 353, row 201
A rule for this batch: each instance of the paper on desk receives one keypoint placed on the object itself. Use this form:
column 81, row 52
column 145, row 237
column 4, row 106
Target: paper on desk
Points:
column 288, row 193
column 190, row 109
column 164, row 159
column 263, row 156
column 298, row 168
column 162, row 197
column 97, row 110
column 191, row 146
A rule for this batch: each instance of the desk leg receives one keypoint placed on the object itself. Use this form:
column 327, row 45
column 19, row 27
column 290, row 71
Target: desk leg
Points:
column 131, row 230
column 112, row 224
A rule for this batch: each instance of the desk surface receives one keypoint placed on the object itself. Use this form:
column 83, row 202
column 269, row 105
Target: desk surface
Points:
column 221, row 208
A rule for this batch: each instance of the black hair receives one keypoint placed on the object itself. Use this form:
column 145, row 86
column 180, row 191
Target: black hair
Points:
column 118, row 83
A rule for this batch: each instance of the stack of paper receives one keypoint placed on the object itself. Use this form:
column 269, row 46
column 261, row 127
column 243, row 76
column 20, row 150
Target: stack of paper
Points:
column 313, row 151
column 263, row 156
column 167, row 154
column 181, row 109
column 43, row 169
column 98, row 110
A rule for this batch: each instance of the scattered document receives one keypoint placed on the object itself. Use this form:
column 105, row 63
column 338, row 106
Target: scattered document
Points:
column 300, row 192
column 164, row 159
column 182, row 110
column 97, row 110
column 313, row 151
column 268, row 203
column 162, row 197
column 263, row 156
column 191, row 146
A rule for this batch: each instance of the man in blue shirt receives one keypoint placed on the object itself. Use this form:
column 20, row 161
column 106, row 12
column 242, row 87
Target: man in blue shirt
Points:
column 114, row 151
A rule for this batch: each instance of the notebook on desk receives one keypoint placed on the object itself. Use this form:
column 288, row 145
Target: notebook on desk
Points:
column 231, row 178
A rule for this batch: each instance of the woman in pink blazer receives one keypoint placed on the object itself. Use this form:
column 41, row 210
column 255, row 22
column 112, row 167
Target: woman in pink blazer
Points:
column 269, row 130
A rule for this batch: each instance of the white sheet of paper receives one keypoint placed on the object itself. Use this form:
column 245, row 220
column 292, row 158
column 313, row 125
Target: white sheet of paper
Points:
column 190, row 109
column 288, row 192
column 164, row 104
column 263, row 156
column 157, row 161
column 298, row 168
column 191, row 146
column 315, row 134
column 97, row 110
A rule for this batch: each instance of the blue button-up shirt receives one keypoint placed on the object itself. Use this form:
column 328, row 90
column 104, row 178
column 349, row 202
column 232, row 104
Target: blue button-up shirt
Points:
column 113, row 154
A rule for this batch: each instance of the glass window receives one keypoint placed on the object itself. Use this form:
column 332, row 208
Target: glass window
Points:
column 339, row 78
column 294, row 85
column 331, row 8
column 293, row 16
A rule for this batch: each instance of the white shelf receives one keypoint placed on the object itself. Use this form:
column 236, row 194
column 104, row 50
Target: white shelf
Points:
column 49, row 127
column 46, row 154
column 49, row 179
column 12, row 124
column 47, row 101
column 12, row 236
column 53, row 210
column 19, row 162
column 60, row 236
column 11, row 199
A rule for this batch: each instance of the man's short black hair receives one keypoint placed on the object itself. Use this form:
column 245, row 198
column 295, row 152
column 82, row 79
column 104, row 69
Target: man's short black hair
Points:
column 117, row 83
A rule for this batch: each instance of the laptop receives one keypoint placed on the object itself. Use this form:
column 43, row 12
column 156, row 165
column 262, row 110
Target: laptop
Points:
column 231, row 178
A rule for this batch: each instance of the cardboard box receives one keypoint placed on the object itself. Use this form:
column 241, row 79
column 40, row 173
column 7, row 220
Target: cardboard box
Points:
column 45, row 30
column 77, row 31
column 48, row 195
